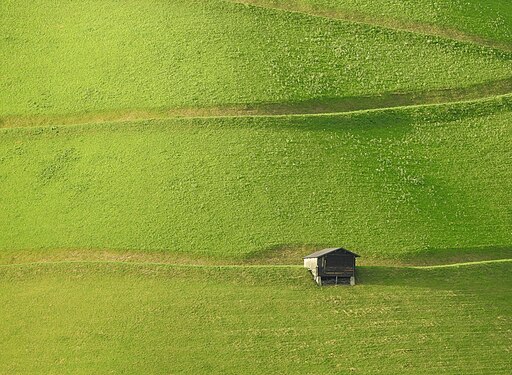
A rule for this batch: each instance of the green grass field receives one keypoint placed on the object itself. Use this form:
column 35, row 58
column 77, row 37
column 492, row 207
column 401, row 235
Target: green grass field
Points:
column 482, row 21
column 165, row 165
column 91, row 57
column 125, row 318
column 386, row 183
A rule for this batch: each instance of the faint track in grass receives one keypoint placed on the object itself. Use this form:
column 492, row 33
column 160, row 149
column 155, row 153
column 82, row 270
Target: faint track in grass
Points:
column 182, row 265
column 463, row 264
column 307, row 107
column 388, row 23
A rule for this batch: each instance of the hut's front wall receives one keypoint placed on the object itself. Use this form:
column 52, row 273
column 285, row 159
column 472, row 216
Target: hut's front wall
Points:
column 339, row 261
column 340, row 265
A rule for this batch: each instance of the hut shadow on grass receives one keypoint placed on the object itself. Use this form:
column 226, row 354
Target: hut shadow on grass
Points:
column 434, row 256
column 477, row 276
column 392, row 276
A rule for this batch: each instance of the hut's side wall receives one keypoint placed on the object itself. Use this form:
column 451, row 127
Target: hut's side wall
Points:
column 312, row 265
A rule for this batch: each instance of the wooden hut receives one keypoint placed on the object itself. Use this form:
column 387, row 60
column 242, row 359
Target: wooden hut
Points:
column 332, row 266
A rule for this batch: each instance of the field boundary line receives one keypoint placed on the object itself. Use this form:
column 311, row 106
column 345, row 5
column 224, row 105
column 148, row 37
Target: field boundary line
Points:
column 274, row 110
column 235, row 266
column 183, row 265
column 385, row 23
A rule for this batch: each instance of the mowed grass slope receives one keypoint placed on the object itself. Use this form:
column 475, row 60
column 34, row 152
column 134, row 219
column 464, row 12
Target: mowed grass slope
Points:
column 484, row 21
column 391, row 184
column 76, row 57
column 100, row 318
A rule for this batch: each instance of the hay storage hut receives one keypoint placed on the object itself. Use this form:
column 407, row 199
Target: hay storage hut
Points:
column 334, row 265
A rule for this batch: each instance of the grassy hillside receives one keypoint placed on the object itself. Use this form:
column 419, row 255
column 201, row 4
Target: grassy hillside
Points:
column 100, row 318
column 158, row 158
column 74, row 57
column 488, row 20
column 391, row 183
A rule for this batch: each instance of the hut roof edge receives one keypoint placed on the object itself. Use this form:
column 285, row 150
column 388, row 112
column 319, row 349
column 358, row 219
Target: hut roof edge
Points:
column 320, row 253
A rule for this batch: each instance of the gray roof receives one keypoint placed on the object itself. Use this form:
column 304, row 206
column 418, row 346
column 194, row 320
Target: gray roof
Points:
column 320, row 253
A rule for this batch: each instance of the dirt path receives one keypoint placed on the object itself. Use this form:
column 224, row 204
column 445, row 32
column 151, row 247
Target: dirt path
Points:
column 227, row 265
column 314, row 106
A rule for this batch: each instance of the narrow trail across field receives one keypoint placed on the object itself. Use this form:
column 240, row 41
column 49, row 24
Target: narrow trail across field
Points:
column 227, row 265
column 462, row 264
column 388, row 23
column 309, row 107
